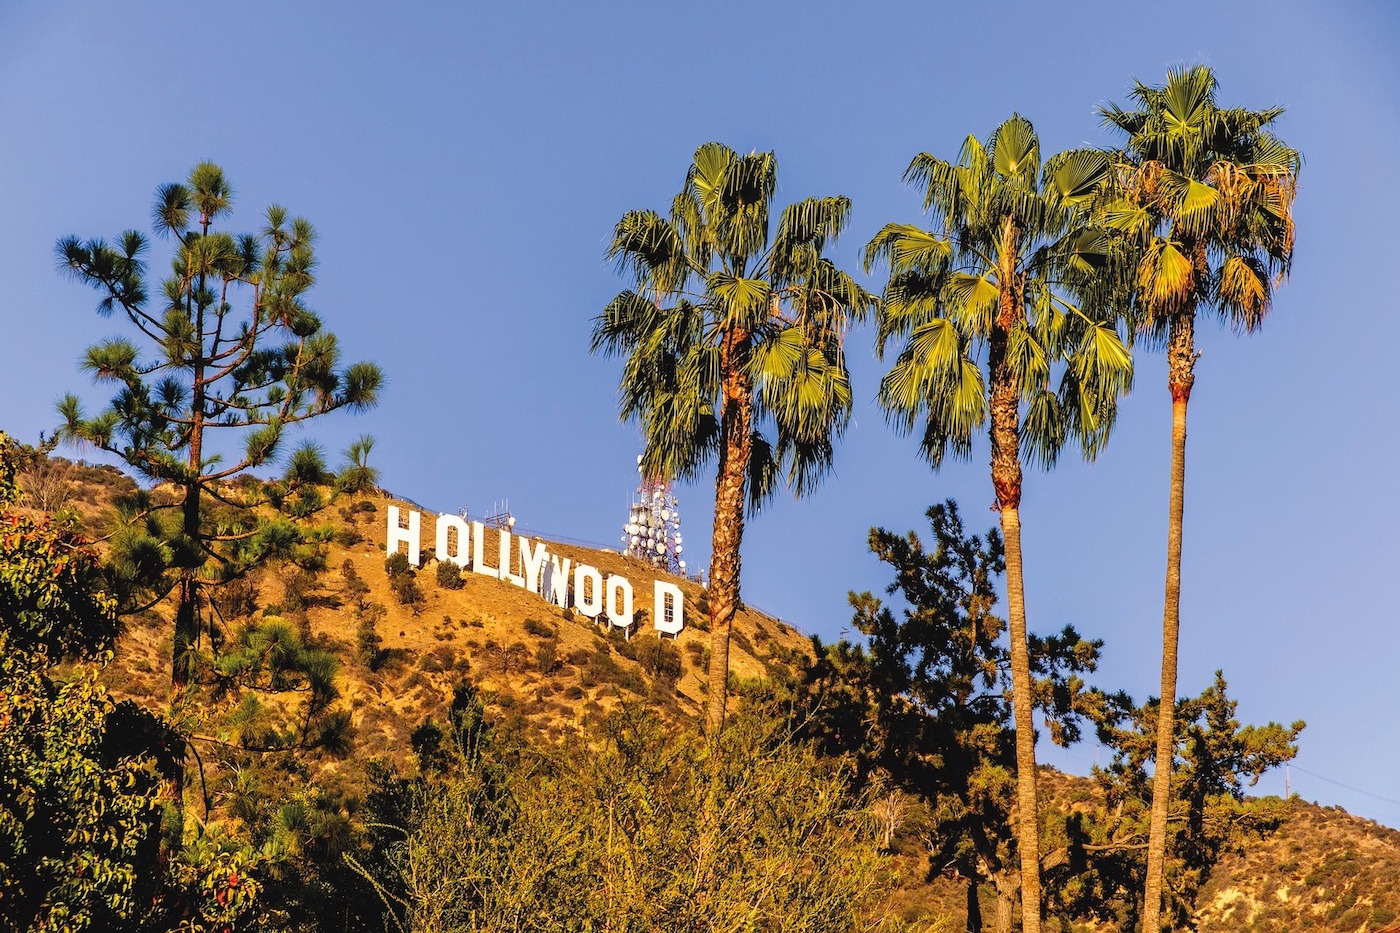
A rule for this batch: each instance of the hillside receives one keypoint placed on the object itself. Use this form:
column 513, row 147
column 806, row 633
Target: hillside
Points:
column 548, row 667
column 1323, row 870
column 544, row 670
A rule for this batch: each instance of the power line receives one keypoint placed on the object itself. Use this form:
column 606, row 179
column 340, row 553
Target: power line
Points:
column 1357, row 790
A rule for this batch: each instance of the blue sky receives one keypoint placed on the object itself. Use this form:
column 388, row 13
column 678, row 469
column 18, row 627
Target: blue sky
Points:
column 464, row 164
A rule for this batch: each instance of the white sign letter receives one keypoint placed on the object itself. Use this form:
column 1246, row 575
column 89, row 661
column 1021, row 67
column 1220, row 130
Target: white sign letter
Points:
column 621, row 616
column 530, row 564
column 503, row 559
column 588, row 590
column 666, row 619
column 402, row 535
column 478, row 555
column 556, row 580
column 445, row 524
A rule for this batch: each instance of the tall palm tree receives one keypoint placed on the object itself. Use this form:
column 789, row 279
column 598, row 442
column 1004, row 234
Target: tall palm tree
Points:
column 1012, row 279
column 732, row 335
column 1206, row 194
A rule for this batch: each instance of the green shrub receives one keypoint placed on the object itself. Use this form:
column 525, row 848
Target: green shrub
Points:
column 397, row 565
column 237, row 599
column 540, row 629
column 406, row 592
column 547, row 657
column 449, row 575
column 369, row 649
column 660, row 659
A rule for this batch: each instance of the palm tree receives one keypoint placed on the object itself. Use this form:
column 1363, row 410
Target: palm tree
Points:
column 1015, row 278
column 733, row 335
column 1206, row 194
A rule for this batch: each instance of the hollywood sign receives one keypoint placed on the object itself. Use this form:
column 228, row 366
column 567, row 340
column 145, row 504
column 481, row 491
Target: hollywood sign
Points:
column 556, row 579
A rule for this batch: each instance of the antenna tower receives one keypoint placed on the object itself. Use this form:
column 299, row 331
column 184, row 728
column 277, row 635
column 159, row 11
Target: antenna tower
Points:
column 653, row 529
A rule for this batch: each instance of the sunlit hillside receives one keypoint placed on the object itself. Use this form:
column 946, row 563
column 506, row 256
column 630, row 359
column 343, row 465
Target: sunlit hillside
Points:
column 544, row 671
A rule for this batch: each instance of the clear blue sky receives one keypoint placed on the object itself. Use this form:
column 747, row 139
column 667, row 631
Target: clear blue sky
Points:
column 464, row 164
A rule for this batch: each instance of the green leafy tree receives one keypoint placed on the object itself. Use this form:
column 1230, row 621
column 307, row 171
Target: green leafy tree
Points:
column 234, row 353
column 925, row 703
column 1013, row 278
column 1206, row 196
column 80, row 776
column 1099, row 874
column 732, row 336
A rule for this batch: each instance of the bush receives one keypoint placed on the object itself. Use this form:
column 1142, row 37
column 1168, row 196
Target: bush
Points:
column 499, row 837
column 368, row 644
column 660, row 659
column 698, row 653
column 547, row 657
column 355, row 585
column 237, row 599
column 348, row 537
column 622, row 644
column 297, row 591
column 397, row 565
column 406, row 592
column 449, row 575
column 540, row 629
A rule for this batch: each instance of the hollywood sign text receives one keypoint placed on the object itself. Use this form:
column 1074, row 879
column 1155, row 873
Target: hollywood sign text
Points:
column 556, row 579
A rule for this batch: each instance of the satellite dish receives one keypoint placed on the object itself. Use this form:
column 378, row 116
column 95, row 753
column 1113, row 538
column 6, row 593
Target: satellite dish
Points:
column 660, row 547
column 679, row 549
column 635, row 540
column 665, row 515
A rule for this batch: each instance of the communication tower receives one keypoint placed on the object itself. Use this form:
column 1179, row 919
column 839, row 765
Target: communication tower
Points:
column 653, row 529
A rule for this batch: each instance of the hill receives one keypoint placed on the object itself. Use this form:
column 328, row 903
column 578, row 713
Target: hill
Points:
column 540, row 666
column 1324, row 869
column 544, row 670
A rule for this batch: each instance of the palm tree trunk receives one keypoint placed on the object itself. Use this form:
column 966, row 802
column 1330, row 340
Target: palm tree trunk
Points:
column 1006, row 478
column 1181, row 359
column 1027, row 797
column 736, row 448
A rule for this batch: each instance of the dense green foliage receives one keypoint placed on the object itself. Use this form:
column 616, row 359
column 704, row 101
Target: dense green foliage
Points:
column 80, row 776
column 924, row 706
